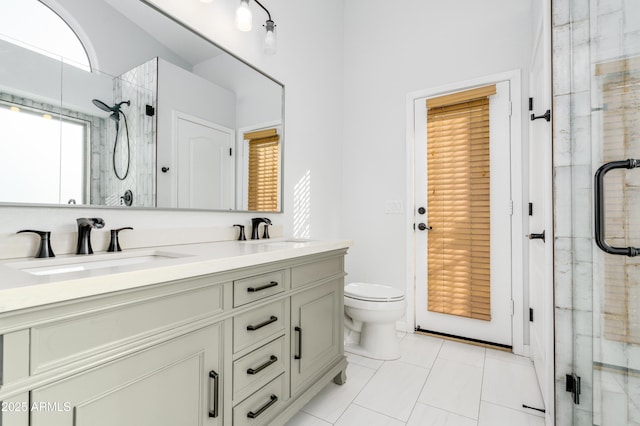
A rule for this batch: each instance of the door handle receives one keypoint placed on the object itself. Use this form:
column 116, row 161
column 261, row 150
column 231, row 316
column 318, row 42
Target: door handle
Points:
column 214, row 388
column 299, row 354
column 598, row 188
column 537, row 236
column 424, row 227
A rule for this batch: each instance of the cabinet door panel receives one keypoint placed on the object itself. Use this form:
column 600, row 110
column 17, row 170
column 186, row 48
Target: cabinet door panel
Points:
column 167, row 384
column 315, row 322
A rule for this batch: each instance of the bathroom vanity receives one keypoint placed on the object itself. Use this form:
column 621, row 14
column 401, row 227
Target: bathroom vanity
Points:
column 225, row 333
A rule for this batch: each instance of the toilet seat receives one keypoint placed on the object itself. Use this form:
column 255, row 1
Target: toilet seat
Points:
column 373, row 292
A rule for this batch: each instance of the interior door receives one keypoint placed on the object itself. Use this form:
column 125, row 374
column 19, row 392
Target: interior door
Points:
column 540, row 211
column 497, row 327
column 205, row 165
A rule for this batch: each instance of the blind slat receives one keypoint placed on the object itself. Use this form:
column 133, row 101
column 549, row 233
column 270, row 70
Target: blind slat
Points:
column 458, row 181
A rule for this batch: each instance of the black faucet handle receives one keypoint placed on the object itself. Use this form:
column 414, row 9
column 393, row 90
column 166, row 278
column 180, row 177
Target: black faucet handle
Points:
column 114, row 243
column 45, row 242
column 241, row 237
column 98, row 222
column 265, row 233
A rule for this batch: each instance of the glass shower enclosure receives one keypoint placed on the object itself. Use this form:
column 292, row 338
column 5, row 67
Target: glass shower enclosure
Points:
column 596, row 91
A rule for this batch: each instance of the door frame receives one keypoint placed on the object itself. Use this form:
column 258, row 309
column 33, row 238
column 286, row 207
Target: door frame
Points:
column 519, row 219
column 542, row 40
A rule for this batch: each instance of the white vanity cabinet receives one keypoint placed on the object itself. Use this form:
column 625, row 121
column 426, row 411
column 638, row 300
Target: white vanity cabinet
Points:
column 244, row 346
column 173, row 383
column 316, row 320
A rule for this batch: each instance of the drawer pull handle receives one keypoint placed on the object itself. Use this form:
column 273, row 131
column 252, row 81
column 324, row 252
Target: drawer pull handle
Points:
column 256, row 370
column 299, row 355
column 262, row 287
column 262, row 409
column 262, row 324
column 213, row 393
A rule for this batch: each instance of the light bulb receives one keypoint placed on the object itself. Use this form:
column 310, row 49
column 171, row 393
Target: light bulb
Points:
column 244, row 18
column 270, row 39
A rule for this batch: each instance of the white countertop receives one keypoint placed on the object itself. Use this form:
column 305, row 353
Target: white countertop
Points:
column 20, row 289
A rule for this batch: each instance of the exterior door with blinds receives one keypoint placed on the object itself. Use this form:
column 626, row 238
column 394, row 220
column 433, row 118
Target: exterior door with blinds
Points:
column 463, row 232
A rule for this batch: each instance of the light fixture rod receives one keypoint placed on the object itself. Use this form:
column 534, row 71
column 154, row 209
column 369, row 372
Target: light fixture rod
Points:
column 264, row 8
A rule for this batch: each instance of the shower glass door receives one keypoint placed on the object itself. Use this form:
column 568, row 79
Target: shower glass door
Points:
column 596, row 124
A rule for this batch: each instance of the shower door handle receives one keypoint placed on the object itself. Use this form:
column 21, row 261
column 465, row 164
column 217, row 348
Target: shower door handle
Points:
column 599, row 207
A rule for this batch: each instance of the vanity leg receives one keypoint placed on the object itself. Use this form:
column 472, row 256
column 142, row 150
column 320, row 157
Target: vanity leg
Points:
column 340, row 378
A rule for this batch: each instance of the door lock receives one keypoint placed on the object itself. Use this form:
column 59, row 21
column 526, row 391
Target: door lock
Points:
column 423, row 227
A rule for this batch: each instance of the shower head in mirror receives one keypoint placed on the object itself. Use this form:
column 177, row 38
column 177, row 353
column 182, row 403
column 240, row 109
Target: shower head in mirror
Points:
column 114, row 110
column 101, row 105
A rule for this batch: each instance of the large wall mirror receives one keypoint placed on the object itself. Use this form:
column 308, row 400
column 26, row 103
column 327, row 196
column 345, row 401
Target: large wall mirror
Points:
column 113, row 103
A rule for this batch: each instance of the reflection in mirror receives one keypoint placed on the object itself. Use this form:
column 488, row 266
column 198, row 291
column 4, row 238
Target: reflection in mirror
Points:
column 139, row 105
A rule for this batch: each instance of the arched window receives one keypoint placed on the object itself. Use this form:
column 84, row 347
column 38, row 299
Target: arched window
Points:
column 32, row 25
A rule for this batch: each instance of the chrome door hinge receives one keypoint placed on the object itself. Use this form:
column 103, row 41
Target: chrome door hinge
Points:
column 510, row 208
column 509, row 108
column 513, row 308
column 573, row 386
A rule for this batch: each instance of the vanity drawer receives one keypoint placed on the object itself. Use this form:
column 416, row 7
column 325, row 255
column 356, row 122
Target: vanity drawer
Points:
column 258, row 324
column 316, row 271
column 79, row 336
column 258, row 368
column 260, row 407
column 255, row 288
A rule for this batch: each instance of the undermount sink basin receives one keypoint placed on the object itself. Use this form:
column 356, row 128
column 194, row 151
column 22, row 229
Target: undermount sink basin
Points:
column 278, row 241
column 82, row 263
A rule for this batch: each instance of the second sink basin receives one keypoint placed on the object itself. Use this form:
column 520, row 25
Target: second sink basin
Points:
column 100, row 261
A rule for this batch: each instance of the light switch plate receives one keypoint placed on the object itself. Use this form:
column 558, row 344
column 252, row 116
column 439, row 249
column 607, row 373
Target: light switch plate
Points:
column 393, row 206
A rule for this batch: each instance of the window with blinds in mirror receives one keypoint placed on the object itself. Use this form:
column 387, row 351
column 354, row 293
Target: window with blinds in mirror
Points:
column 263, row 170
column 458, row 200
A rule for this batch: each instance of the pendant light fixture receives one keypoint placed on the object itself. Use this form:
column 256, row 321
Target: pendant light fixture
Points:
column 244, row 21
column 244, row 18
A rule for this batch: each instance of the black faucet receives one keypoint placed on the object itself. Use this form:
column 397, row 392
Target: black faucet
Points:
column 255, row 223
column 85, row 225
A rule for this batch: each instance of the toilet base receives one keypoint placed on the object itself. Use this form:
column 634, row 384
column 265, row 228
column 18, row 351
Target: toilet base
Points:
column 377, row 341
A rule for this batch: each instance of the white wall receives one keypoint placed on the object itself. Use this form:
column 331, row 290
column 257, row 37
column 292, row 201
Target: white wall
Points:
column 391, row 51
column 309, row 63
column 107, row 29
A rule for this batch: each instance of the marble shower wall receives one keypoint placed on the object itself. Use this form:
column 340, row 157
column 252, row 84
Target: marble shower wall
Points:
column 139, row 86
column 585, row 33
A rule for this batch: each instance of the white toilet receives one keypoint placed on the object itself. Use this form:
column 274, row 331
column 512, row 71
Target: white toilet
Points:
column 370, row 315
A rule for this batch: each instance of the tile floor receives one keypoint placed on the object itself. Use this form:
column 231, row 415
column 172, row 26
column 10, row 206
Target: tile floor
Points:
column 435, row 382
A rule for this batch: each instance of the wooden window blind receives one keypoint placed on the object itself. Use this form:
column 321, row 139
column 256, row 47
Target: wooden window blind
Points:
column 620, row 82
column 264, row 169
column 458, row 200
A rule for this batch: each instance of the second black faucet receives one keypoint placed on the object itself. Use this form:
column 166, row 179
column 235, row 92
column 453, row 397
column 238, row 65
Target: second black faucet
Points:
column 85, row 225
column 255, row 223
